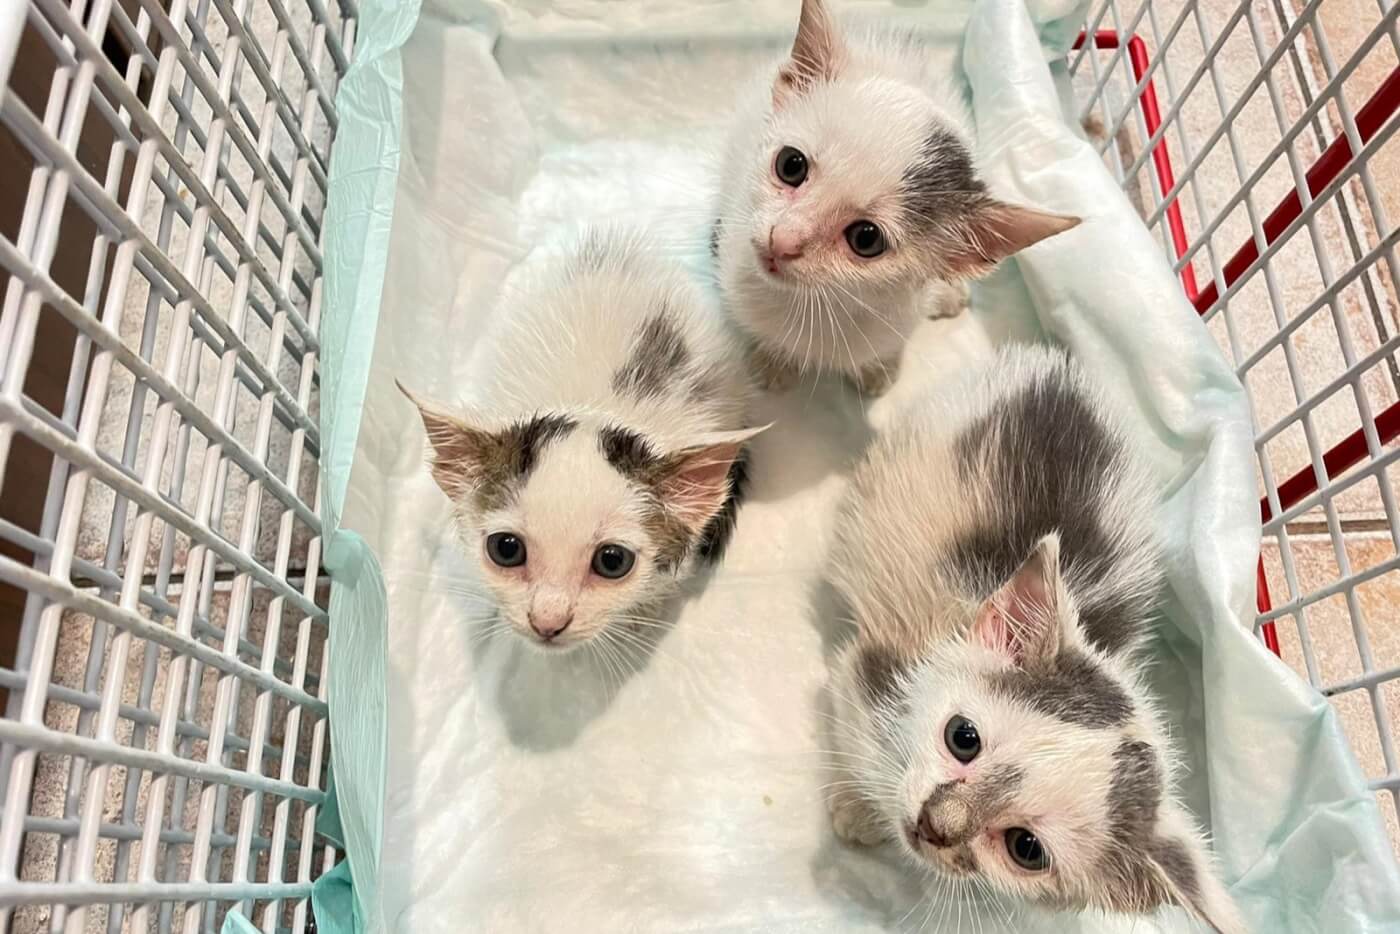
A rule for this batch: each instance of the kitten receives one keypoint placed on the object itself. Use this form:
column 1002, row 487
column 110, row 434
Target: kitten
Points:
column 608, row 461
column 991, row 711
column 851, row 205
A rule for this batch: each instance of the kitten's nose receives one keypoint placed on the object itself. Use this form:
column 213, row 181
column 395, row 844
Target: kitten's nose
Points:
column 549, row 627
column 928, row 833
column 784, row 244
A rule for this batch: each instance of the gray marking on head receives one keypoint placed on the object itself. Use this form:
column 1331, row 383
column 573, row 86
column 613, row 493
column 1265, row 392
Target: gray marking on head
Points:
column 505, row 459
column 941, row 187
column 634, row 457
column 1071, row 687
column 964, row 859
column 959, row 810
column 1135, row 792
column 1051, row 481
column 881, row 671
column 658, row 357
column 1175, row 860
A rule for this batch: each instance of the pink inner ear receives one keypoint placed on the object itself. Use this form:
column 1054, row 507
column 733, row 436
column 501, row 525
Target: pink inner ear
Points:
column 1021, row 619
column 698, row 486
column 993, row 629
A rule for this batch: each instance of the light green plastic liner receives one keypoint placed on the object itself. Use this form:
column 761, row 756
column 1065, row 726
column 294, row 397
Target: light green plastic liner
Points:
column 1294, row 822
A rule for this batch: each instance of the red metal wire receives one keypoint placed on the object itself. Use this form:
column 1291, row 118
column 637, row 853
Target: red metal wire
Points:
column 1370, row 118
column 1334, row 159
column 1161, row 158
column 1166, row 179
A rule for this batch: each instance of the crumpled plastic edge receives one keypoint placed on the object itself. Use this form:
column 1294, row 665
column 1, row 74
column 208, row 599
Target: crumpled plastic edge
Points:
column 364, row 171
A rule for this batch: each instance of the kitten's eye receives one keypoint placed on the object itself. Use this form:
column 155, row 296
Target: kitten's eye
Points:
column 865, row 239
column 613, row 561
column 1026, row 850
column 961, row 736
column 505, row 549
column 790, row 166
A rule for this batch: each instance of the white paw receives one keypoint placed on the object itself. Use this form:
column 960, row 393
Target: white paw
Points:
column 854, row 822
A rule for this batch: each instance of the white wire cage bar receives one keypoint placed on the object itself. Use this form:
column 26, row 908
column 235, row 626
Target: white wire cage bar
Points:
column 162, row 621
column 1255, row 138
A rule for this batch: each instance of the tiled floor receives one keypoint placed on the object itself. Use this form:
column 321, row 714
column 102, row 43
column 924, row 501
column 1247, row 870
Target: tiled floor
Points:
column 1226, row 138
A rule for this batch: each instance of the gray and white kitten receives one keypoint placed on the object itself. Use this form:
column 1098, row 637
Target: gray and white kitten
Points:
column 606, row 459
column 991, row 711
column 851, row 201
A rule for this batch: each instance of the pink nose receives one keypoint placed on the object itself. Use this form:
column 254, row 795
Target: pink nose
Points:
column 547, row 627
column 784, row 244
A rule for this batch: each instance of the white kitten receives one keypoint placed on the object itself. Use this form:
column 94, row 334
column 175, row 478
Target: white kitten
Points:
column 609, row 455
column 995, row 553
column 851, row 201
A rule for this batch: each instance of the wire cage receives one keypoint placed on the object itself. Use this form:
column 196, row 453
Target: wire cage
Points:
column 162, row 608
column 1252, row 135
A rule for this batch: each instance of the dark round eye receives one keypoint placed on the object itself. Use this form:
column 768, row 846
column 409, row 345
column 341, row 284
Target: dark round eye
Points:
column 961, row 736
column 506, row 549
column 865, row 239
column 613, row 561
column 1026, row 850
column 790, row 166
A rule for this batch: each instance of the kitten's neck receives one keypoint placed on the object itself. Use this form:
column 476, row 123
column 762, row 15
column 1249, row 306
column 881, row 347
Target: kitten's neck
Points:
column 841, row 328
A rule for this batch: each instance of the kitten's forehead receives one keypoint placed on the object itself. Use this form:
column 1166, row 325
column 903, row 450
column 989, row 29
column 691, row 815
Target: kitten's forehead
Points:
column 573, row 495
column 866, row 134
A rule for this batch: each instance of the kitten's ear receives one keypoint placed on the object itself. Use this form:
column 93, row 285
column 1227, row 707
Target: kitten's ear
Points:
column 817, row 52
column 1022, row 619
column 696, row 482
column 457, row 446
column 1182, row 875
column 997, row 229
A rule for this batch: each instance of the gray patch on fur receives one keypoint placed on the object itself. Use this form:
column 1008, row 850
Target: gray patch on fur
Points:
column 630, row 454
column 960, row 810
column 1068, row 687
column 506, row 458
column 658, row 357
column 941, row 187
column 1176, row 862
column 1047, row 454
column 1134, row 797
column 634, row 457
column 880, row 671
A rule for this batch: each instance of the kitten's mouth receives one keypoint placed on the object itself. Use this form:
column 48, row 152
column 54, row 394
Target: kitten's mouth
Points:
column 947, row 861
column 553, row 646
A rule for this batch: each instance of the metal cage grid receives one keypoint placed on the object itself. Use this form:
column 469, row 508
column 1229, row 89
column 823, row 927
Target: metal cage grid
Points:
column 1253, row 136
column 162, row 619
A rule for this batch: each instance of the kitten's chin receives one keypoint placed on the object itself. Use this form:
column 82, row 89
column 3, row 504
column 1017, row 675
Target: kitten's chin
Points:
column 554, row 646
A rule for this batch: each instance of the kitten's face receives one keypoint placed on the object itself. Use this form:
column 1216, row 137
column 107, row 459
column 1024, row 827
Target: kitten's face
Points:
column 835, row 204
column 861, row 182
column 571, row 552
column 577, row 522
column 999, row 789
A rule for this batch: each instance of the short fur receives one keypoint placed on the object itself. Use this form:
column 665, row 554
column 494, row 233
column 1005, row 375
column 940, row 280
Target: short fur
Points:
column 615, row 413
column 993, row 553
column 888, row 140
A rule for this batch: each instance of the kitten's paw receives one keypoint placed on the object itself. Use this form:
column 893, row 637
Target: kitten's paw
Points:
column 875, row 378
column 950, row 299
column 771, row 372
column 855, row 821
